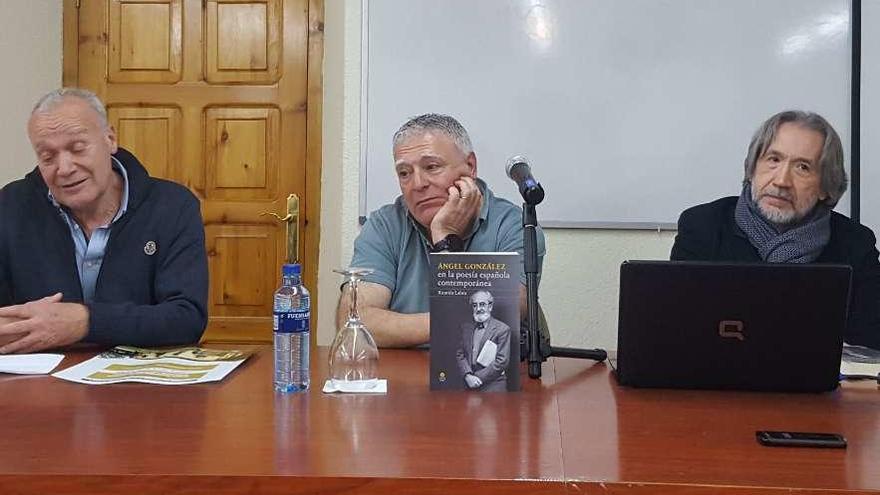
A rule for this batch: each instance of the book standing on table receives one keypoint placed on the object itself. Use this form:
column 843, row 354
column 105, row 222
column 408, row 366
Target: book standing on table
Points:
column 475, row 315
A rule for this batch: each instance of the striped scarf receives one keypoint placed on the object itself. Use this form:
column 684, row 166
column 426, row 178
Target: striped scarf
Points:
column 802, row 243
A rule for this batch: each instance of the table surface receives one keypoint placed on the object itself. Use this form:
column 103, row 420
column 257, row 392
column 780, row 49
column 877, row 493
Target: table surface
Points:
column 574, row 431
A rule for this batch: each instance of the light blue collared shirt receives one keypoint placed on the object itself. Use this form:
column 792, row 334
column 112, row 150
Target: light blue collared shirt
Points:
column 90, row 252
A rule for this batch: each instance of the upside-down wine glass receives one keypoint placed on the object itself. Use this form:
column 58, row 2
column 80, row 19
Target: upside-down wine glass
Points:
column 354, row 357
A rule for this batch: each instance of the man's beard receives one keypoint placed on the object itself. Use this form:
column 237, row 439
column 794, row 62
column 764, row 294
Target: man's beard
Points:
column 481, row 317
column 774, row 215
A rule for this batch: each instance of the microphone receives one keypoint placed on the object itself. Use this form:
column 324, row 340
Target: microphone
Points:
column 519, row 171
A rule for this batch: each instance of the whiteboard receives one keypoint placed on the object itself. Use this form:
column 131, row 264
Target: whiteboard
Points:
column 629, row 110
column 869, row 131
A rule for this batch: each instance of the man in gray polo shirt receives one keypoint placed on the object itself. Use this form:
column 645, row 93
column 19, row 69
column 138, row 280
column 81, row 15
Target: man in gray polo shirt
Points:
column 443, row 207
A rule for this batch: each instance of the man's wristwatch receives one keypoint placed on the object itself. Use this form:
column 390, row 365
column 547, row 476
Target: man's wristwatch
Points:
column 451, row 242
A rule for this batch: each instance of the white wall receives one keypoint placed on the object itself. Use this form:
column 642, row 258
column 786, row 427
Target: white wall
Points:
column 341, row 154
column 30, row 49
column 580, row 281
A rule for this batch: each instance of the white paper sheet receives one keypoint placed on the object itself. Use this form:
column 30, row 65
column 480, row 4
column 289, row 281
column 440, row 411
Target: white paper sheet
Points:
column 380, row 388
column 29, row 364
column 487, row 353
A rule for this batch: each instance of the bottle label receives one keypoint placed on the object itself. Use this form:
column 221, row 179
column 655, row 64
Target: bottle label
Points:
column 291, row 322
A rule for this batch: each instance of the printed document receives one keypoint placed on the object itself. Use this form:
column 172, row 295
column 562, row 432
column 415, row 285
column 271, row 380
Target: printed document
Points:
column 178, row 366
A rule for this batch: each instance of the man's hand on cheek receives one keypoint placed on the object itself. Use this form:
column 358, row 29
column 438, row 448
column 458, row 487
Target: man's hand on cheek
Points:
column 460, row 210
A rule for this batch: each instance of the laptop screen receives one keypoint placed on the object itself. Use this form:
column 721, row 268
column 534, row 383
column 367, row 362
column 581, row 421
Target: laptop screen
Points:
column 731, row 325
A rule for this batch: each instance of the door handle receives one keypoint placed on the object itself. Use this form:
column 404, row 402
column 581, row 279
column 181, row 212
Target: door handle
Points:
column 292, row 221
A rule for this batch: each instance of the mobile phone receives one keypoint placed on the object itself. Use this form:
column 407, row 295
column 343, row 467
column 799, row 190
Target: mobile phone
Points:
column 801, row 439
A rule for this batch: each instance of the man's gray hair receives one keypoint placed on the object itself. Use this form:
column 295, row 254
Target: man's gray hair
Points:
column 488, row 296
column 427, row 122
column 52, row 99
column 833, row 180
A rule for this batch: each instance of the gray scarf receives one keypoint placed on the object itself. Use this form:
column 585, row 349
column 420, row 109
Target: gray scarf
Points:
column 802, row 243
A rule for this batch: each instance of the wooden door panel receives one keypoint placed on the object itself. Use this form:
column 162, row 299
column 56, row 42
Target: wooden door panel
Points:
column 242, row 147
column 222, row 96
column 153, row 135
column 145, row 41
column 243, row 44
column 243, row 259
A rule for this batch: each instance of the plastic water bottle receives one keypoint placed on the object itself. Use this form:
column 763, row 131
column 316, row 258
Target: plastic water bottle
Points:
column 291, row 331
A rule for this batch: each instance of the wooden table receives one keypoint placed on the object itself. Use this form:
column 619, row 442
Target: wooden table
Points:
column 575, row 431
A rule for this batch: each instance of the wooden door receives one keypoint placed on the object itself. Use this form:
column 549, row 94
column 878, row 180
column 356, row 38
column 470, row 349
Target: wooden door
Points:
column 223, row 96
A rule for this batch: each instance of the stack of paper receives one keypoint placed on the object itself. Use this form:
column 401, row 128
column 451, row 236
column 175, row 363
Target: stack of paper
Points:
column 860, row 362
column 860, row 370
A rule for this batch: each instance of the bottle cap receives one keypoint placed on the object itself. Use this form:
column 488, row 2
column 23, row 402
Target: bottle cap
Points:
column 289, row 269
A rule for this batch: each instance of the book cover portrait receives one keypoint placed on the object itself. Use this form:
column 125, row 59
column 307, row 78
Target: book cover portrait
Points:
column 475, row 315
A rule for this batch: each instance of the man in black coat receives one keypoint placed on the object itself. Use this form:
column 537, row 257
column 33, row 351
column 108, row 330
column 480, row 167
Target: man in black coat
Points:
column 794, row 176
column 91, row 247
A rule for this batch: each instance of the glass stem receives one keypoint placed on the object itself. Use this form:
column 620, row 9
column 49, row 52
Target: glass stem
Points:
column 352, row 309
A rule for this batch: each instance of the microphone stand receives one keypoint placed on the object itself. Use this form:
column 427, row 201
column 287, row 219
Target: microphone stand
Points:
column 532, row 198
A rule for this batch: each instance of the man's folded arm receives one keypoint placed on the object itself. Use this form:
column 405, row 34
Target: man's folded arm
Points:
column 389, row 328
column 181, row 290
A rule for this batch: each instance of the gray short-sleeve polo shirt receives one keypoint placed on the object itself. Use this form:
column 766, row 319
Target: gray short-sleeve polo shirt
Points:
column 393, row 244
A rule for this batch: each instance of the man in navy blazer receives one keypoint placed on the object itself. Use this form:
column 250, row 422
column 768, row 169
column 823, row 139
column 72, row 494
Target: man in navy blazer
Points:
column 490, row 375
column 794, row 176
column 91, row 247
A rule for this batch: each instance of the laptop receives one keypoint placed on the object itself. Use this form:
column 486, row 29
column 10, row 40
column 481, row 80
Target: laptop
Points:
column 767, row 327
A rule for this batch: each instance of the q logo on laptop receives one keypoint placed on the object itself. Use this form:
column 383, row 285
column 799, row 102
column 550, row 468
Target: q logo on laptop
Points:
column 731, row 329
